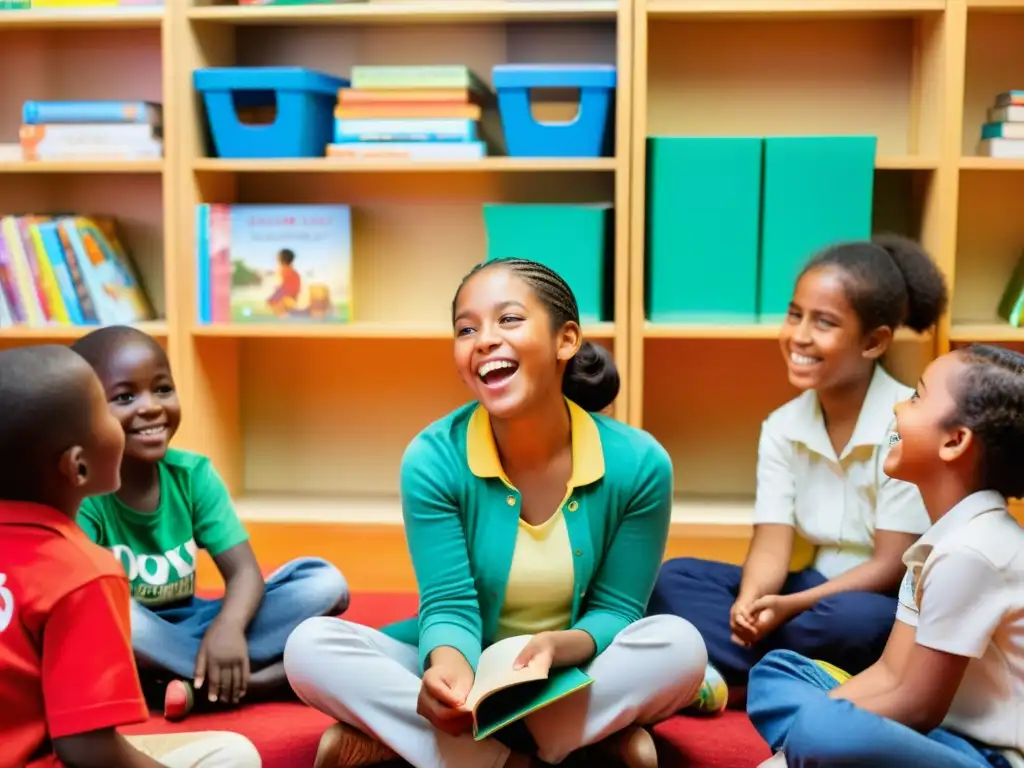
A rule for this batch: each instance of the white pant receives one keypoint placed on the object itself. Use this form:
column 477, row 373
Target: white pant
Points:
column 202, row 749
column 370, row 681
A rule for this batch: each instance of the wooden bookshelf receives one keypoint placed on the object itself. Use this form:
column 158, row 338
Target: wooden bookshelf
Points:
column 310, row 423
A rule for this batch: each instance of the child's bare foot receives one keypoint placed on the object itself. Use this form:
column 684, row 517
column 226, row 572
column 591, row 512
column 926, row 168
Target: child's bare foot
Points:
column 634, row 746
column 179, row 699
column 343, row 745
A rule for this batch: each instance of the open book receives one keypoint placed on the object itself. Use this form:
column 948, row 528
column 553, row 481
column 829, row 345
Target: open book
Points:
column 501, row 695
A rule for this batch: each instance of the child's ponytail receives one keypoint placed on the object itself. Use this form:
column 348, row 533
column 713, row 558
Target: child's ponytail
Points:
column 891, row 281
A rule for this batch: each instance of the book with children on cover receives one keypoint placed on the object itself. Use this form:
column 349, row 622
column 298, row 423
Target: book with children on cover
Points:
column 274, row 263
column 501, row 694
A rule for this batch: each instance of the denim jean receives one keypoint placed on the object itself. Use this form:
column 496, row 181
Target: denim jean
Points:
column 788, row 703
column 168, row 638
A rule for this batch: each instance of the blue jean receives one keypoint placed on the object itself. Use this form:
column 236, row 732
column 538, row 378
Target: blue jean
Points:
column 169, row 638
column 849, row 629
column 788, row 703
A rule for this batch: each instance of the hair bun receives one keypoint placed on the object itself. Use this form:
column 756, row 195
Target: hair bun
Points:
column 591, row 378
column 927, row 295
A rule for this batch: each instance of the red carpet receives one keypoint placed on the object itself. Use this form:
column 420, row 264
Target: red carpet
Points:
column 287, row 734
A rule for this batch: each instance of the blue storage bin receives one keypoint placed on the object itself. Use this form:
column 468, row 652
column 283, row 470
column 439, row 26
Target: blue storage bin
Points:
column 304, row 99
column 585, row 136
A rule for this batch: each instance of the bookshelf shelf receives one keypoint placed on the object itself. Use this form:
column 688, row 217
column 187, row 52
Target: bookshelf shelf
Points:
column 84, row 166
column 991, row 333
column 765, row 331
column 157, row 329
column 355, row 330
column 405, row 12
column 328, row 165
column 691, row 9
column 991, row 164
column 918, row 74
column 96, row 18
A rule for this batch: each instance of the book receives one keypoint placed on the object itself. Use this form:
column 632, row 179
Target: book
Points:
column 451, row 151
column 274, row 263
column 502, row 695
column 1004, row 148
column 1011, row 306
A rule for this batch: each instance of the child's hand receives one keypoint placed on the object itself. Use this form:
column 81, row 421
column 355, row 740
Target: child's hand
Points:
column 742, row 624
column 223, row 662
column 772, row 611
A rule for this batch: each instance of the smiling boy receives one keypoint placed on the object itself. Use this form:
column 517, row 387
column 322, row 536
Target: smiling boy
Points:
column 171, row 504
column 949, row 688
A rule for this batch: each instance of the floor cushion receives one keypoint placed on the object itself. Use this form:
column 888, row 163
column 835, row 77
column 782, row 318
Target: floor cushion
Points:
column 287, row 733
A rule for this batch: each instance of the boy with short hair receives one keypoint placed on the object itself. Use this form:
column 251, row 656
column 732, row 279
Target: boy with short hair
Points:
column 170, row 504
column 67, row 674
column 949, row 687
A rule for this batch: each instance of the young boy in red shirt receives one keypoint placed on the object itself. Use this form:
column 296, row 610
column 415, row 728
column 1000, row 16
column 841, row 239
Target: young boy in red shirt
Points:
column 67, row 673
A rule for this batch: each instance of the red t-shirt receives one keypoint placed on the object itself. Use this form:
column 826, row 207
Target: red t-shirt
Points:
column 66, row 662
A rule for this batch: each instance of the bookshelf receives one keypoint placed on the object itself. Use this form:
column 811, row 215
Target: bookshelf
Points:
column 308, row 424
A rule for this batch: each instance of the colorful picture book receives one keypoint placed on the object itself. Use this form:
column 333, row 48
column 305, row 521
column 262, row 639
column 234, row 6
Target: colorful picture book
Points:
column 1011, row 306
column 274, row 263
column 67, row 270
column 501, row 694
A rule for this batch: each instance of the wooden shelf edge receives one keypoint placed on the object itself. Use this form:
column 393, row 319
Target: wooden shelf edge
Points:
column 969, row 163
column 156, row 328
column 962, row 333
column 329, row 165
column 751, row 331
column 96, row 18
column 355, row 330
column 795, row 8
column 83, row 166
column 424, row 11
column 996, row 5
column 729, row 518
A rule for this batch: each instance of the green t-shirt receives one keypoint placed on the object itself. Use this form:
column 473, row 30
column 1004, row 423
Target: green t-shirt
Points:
column 158, row 549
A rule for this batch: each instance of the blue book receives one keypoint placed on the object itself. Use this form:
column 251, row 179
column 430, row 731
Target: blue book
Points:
column 47, row 112
column 203, row 263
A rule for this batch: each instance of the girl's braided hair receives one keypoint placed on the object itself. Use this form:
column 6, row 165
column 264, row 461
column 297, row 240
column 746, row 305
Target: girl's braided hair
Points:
column 591, row 379
column 989, row 398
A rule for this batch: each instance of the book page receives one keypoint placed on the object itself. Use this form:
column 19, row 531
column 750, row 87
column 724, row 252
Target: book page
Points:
column 494, row 670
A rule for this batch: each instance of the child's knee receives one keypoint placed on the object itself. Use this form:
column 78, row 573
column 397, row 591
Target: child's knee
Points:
column 329, row 590
column 237, row 751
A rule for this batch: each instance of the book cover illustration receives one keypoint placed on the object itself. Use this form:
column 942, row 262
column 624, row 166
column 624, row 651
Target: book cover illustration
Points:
column 282, row 262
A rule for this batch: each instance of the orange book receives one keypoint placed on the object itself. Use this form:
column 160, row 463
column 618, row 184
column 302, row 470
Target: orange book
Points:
column 409, row 110
column 416, row 95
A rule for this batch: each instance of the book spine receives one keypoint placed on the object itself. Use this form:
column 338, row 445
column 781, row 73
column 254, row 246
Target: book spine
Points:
column 440, row 130
column 203, row 263
column 40, row 112
column 388, row 150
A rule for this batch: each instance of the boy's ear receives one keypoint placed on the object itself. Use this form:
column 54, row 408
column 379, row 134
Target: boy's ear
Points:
column 956, row 443
column 877, row 343
column 74, row 467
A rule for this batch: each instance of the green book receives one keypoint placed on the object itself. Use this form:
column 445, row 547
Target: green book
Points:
column 1011, row 307
column 818, row 191
column 501, row 695
column 703, row 229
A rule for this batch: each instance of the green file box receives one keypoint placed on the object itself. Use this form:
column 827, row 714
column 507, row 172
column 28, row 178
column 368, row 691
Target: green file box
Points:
column 703, row 229
column 817, row 191
column 572, row 239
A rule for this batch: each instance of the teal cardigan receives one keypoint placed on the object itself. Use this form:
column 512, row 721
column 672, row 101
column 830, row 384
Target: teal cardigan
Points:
column 462, row 514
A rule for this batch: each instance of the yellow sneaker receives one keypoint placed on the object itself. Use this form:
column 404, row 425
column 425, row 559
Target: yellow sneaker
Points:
column 713, row 696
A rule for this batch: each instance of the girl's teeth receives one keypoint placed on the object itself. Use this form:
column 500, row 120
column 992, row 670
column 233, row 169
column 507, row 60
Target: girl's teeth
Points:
column 494, row 365
column 151, row 431
column 802, row 359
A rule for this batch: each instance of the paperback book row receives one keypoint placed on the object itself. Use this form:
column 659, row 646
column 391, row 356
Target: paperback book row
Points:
column 27, row 5
column 67, row 271
column 91, row 130
column 1002, row 135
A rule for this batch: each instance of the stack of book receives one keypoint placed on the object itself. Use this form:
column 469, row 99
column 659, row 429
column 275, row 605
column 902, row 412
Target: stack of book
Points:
column 67, row 131
column 411, row 113
column 1002, row 135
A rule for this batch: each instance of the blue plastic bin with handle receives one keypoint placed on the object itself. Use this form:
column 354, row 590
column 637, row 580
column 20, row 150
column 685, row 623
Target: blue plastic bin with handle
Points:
column 584, row 136
column 303, row 101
